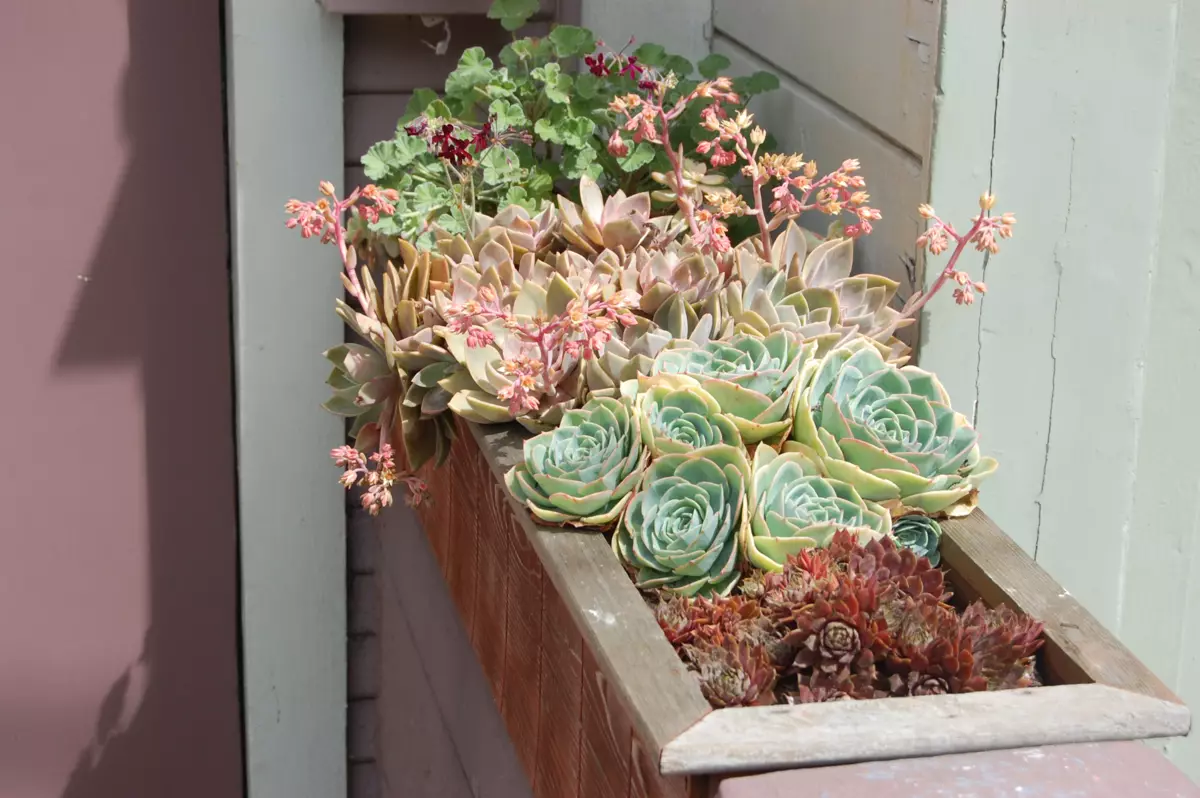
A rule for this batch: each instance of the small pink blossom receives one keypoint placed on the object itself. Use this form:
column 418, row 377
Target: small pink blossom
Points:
column 617, row 147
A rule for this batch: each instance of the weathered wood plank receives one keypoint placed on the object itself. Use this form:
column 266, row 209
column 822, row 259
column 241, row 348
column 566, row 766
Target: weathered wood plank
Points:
column 1095, row 770
column 804, row 122
column 394, row 54
column 491, row 605
column 462, row 536
column 766, row 738
column 639, row 663
column 370, row 118
column 521, row 707
column 1078, row 648
column 889, row 84
column 561, row 699
column 605, row 758
column 438, row 7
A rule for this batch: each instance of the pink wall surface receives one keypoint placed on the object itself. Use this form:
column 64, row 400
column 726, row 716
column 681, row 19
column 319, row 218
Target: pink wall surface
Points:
column 118, row 592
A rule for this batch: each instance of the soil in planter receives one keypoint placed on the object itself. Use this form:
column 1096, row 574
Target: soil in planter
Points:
column 847, row 622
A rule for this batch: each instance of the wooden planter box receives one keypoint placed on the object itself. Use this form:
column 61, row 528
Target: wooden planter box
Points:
column 598, row 704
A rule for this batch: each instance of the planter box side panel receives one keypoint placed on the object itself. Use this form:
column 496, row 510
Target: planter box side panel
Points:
column 562, row 707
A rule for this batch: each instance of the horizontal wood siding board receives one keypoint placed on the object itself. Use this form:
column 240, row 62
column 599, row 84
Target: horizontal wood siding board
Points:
column 888, row 81
column 434, row 7
column 370, row 118
column 393, row 55
column 635, row 658
column 1079, row 648
column 804, row 122
column 839, row 732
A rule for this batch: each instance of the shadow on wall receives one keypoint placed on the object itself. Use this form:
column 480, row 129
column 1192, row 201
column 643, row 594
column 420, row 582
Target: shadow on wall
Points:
column 157, row 294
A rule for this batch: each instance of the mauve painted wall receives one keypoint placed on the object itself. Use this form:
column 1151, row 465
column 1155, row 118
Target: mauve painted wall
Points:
column 118, row 592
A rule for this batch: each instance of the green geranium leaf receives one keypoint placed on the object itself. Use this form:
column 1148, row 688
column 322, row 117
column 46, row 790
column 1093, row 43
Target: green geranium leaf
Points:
column 571, row 41
column 639, row 156
column 387, row 226
column 500, row 165
column 451, row 224
column 518, row 195
column 577, row 131
column 540, row 183
column 587, row 86
column 757, row 83
column 512, row 13
column 679, row 65
column 386, row 157
column 507, row 114
column 417, row 104
column 711, row 66
column 577, row 163
column 651, row 55
column 557, row 84
column 438, row 108
column 474, row 69
column 546, row 130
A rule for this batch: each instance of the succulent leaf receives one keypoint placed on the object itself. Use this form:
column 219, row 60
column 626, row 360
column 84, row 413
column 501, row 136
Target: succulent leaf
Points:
column 793, row 507
column 583, row 472
column 680, row 532
column 890, row 432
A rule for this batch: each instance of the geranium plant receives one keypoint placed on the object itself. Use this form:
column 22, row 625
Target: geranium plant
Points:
column 513, row 131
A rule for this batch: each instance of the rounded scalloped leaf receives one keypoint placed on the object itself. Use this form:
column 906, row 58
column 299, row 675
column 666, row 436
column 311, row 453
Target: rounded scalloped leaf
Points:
column 682, row 531
column 583, row 472
column 889, row 432
column 794, row 506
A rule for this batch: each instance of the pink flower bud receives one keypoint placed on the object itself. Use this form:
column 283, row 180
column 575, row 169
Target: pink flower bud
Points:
column 617, row 147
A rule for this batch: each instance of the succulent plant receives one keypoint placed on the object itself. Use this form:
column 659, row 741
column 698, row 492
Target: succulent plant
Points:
column 839, row 636
column 678, row 419
column 675, row 272
column 697, row 181
column 733, row 673
column 597, row 223
column 890, row 432
column 919, row 534
column 1003, row 645
column 931, row 654
column 680, row 533
column 582, row 473
column 794, row 507
column 754, row 380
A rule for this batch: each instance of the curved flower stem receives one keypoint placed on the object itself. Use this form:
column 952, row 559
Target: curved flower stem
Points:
column 339, row 237
column 949, row 270
column 685, row 202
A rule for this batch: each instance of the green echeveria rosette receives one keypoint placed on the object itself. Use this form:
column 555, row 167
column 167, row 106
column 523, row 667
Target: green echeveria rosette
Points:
column 676, row 418
column 921, row 534
column 793, row 507
column 754, row 380
column 890, row 432
column 682, row 530
column 583, row 473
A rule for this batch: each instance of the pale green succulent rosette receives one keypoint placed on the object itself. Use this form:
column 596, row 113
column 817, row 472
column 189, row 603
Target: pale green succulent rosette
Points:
column 583, row 473
column 793, row 507
column 890, row 432
column 682, row 530
column 754, row 380
column 677, row 417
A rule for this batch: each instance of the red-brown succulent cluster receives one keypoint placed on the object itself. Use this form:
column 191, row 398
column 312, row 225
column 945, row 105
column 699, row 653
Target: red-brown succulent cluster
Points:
column 848, row 622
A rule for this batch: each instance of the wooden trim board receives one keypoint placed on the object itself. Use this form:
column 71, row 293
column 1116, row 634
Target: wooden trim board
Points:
column 611, row 692
column 840, row 732
column 437, row 7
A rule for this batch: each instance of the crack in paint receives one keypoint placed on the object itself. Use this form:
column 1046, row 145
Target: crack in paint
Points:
column 991, row 181
column 1058, row 267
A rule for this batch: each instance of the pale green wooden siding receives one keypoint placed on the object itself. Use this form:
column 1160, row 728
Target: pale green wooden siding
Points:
column 1084, row 118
